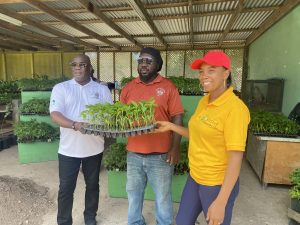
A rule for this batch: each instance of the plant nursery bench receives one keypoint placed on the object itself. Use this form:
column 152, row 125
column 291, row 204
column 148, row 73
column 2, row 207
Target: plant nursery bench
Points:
column 273, row 158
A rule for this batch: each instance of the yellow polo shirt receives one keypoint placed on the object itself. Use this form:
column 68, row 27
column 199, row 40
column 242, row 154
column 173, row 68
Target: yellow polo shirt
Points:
column 214, row 129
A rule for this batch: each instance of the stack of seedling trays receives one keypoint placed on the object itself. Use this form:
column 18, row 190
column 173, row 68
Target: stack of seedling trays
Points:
column 119, row 120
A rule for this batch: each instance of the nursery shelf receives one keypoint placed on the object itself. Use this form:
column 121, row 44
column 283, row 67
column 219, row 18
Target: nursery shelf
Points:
column 98, row 131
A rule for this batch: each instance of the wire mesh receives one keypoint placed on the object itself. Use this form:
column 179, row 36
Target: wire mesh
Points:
column 236, row 56
column 190, row 56
column 175, row 63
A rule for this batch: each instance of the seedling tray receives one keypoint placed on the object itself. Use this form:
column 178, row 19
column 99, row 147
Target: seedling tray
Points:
column 99, row 131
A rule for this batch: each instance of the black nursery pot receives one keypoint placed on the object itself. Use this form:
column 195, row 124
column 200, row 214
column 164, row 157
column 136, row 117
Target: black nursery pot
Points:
column 4, row 143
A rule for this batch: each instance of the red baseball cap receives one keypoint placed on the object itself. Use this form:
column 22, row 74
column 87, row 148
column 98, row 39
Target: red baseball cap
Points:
column 213, row 58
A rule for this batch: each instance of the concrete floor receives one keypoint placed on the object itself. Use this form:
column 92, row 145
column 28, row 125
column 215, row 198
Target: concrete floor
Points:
column 254, row 206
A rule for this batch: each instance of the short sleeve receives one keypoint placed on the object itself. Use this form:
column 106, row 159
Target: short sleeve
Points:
column 236, row 127
column 57, row 99
column 175, row 104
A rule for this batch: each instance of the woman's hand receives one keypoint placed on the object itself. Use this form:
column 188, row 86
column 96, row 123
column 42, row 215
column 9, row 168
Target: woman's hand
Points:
column 215, row 213
column 162, row 126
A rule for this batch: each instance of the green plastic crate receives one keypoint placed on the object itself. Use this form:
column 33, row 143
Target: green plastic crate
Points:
column 117, row 186
column 37, row 151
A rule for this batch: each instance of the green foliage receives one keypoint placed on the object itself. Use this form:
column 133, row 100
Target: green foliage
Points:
column 9, row 86
column 35, row 106
column 39, row 83
column 273, row 124
column 187, row 86
column 9, row 91
column 30, row 131
column 126, row 80
column 295, row 180
column 115, row 157
column 183, row 165
column 120, row 116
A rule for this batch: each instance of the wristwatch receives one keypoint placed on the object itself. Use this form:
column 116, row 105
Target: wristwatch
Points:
column 73, row 125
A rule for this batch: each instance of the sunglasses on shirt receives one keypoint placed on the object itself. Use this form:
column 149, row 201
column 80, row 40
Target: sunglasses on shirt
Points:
column 80, row 65
column 147, row 60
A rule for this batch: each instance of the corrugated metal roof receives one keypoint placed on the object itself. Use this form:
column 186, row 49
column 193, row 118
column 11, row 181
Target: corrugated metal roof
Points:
column 165, row 23
column 173, row 26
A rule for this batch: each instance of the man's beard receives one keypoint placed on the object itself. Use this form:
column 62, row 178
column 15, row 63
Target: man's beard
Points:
column 149, row 77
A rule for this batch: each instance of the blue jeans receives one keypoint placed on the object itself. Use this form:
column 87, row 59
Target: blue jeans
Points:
column 196, row 198
column 68, row 173
column 153, row 168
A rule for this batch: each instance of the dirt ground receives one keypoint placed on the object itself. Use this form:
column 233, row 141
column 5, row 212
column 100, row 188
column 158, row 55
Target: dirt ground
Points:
column 22, row 197
column 28, row 195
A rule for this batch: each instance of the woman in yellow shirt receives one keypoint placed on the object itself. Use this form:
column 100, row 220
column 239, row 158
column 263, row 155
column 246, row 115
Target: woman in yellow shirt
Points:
column 217, row 135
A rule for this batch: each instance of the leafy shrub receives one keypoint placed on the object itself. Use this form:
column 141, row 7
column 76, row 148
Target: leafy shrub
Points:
column 35, row 106
column 185, row 86
column 183, row 164
column 9, row 91
column 30, row 131
column 295, row 180
column 115, row 157
column 39, row 83
column 273, row 124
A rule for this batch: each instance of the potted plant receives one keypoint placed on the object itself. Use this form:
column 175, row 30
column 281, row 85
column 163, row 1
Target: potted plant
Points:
column 36, row 141
column 39, row 86
column 37, row 109
column 272, row 124
column 295, row 190
column 119, row 120
column 115, row 162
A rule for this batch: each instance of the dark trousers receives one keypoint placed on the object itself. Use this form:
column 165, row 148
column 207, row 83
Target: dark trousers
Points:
column 68, row 173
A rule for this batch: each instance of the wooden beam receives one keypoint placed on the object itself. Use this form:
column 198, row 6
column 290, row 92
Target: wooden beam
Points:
column 234, row 16
column 24, row 40
column 43, row 27
column 191, row 19
column 141, row 11
column 9, row 47
column 18, row 44
column 70, row 22
column 179, row 34
column 41, row 38
column 96, row 11
column 287, row 6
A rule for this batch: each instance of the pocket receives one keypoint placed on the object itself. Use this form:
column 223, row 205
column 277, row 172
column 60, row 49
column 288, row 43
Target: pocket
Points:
column 163, row 157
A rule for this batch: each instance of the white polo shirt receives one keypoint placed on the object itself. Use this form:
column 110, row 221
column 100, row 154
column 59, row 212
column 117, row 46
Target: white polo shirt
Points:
column 70, row 99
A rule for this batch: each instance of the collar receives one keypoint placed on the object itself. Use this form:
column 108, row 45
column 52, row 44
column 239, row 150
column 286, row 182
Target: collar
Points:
column 222, row 98
column 156, row 80
column 73, row 81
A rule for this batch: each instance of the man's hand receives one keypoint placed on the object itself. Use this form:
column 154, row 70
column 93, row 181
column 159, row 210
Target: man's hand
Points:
column 173, row 156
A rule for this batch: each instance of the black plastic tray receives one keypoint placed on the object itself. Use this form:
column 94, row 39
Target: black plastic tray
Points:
column 91, row 129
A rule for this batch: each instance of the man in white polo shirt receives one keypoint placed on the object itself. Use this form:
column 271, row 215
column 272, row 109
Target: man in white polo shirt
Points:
column 68, row 99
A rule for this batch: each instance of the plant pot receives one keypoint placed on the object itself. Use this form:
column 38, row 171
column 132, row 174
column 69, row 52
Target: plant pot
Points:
column 117, row 186
column 37, row 151
column 4, row 143
column 295, row 204
column 28, row 95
